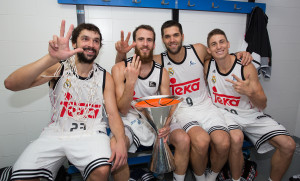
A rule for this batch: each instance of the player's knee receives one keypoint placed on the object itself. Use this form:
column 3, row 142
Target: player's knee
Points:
column 184, row 141
column 222, row 144
column 288, row 146
column 223, row 147
column 236, row 140
column 181, row 141
column 99, row 174
column 200, row 144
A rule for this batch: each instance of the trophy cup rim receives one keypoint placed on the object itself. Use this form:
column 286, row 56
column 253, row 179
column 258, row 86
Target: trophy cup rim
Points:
column 178, row 98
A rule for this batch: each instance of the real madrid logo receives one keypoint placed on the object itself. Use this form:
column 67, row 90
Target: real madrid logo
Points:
column 67, row 84
column 213, row 79
column 171, row 71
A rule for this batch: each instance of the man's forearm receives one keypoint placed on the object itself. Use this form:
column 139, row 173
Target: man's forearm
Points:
column 117, row 127
column 120, row 57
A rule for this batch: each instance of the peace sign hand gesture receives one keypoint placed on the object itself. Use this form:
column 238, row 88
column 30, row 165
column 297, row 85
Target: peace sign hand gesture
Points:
column 59, row 47
column 123, row 46
column 241, row 86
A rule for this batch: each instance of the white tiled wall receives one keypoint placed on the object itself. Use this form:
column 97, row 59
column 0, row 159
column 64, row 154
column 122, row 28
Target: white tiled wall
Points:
column 27, row 26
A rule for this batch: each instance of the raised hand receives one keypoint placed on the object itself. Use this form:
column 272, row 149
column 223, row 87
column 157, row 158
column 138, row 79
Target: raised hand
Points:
column 241, row 86
column 123, row 46
column 132, row 70
column 59, row 47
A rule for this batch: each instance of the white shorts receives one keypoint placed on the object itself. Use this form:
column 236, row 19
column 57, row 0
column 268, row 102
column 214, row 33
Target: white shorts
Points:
column 44, row 156
column 206, row 115
column 138, row 131
column 258, row 127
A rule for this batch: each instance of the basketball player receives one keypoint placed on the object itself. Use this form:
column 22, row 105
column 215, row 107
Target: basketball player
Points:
column 136, row 77
column 236, row 90
column 77, row 89
column 197, row 116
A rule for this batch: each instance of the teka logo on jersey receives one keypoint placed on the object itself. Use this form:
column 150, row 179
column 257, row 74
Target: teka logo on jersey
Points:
column 225, row 99
column 184, row 88
column 74, row 108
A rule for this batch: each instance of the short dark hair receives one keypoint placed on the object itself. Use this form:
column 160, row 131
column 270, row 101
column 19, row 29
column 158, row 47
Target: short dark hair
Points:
column 215, row 32
column 146, row 27
column 85, row 26
column 169, row 24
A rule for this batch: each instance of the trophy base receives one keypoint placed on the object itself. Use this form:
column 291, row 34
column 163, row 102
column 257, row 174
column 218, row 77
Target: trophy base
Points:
column 162, row 160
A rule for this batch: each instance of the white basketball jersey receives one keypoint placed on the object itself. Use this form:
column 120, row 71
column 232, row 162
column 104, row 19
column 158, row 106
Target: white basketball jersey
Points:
column 222, row 92
column 186, row 77
column 149, row 85
column 77, row 102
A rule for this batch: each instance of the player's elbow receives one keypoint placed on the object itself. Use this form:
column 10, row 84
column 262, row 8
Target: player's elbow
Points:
column 263, row 104
column 9, row 84
column 123, row 111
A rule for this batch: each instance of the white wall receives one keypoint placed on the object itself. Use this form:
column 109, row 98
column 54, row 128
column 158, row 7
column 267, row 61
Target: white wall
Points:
column 283, row 89
column 27, row 26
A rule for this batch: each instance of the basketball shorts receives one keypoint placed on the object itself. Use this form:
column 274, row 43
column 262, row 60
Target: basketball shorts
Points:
column 138, row 131
column 44, row 156
column 206, row 115
column 258, row 127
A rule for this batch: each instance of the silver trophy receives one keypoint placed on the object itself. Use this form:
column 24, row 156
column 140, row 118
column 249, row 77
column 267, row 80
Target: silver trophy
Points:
column 157, row 110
